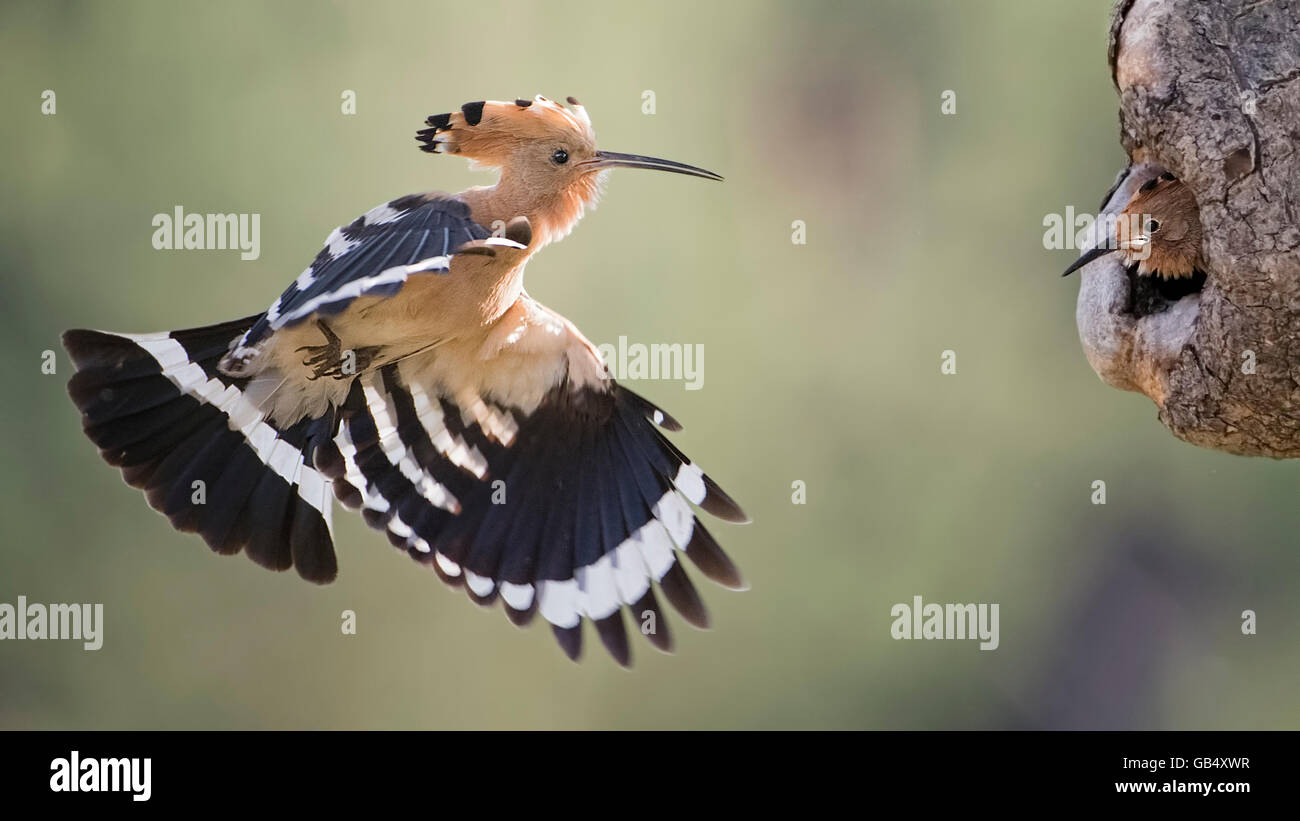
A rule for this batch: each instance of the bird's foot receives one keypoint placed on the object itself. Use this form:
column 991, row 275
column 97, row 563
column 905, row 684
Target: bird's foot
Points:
column 335, row 361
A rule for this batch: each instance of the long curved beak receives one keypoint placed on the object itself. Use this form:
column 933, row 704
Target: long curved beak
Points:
column 1099, row 251
column 612, row 159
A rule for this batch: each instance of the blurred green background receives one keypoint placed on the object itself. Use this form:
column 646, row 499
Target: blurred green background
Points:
column 924, row 233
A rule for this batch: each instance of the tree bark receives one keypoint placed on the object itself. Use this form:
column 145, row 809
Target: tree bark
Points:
column 1210, row 91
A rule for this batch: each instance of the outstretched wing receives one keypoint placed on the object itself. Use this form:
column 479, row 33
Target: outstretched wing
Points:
column 574, row 505
column 372, row 256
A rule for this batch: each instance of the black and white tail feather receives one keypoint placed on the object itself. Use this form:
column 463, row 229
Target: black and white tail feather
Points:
column 575, row 510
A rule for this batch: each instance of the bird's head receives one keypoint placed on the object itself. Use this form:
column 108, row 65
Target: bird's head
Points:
column 546, row 152
column 1159, row 231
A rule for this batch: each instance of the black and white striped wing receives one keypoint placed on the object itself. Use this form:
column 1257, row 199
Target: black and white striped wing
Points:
column 373, row 256
column 201, row 449
column 578, row 509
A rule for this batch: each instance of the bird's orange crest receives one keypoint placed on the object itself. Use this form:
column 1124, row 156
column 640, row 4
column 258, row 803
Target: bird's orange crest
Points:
column 550, row 168
column 491, row 133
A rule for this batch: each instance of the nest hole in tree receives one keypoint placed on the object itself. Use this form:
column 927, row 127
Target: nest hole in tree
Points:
column 1153, row 294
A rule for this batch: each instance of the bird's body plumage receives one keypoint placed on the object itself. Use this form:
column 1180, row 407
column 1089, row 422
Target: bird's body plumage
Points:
column 408, row 373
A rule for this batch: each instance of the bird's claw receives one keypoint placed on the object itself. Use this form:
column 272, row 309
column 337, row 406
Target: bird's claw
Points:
column 332, row 360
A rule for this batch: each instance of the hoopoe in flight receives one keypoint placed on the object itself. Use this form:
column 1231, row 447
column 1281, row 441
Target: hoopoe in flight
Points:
column 1159, row 231
column 408, row 373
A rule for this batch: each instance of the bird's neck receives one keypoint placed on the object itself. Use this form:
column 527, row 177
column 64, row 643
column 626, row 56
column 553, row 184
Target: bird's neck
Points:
column 553, row 213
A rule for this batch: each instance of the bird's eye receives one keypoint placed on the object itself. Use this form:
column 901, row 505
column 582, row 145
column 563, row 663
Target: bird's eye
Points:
column 560, row 157
column 1152, row 226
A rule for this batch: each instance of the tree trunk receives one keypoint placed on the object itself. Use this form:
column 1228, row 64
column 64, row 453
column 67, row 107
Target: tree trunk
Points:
column 1210, row 91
